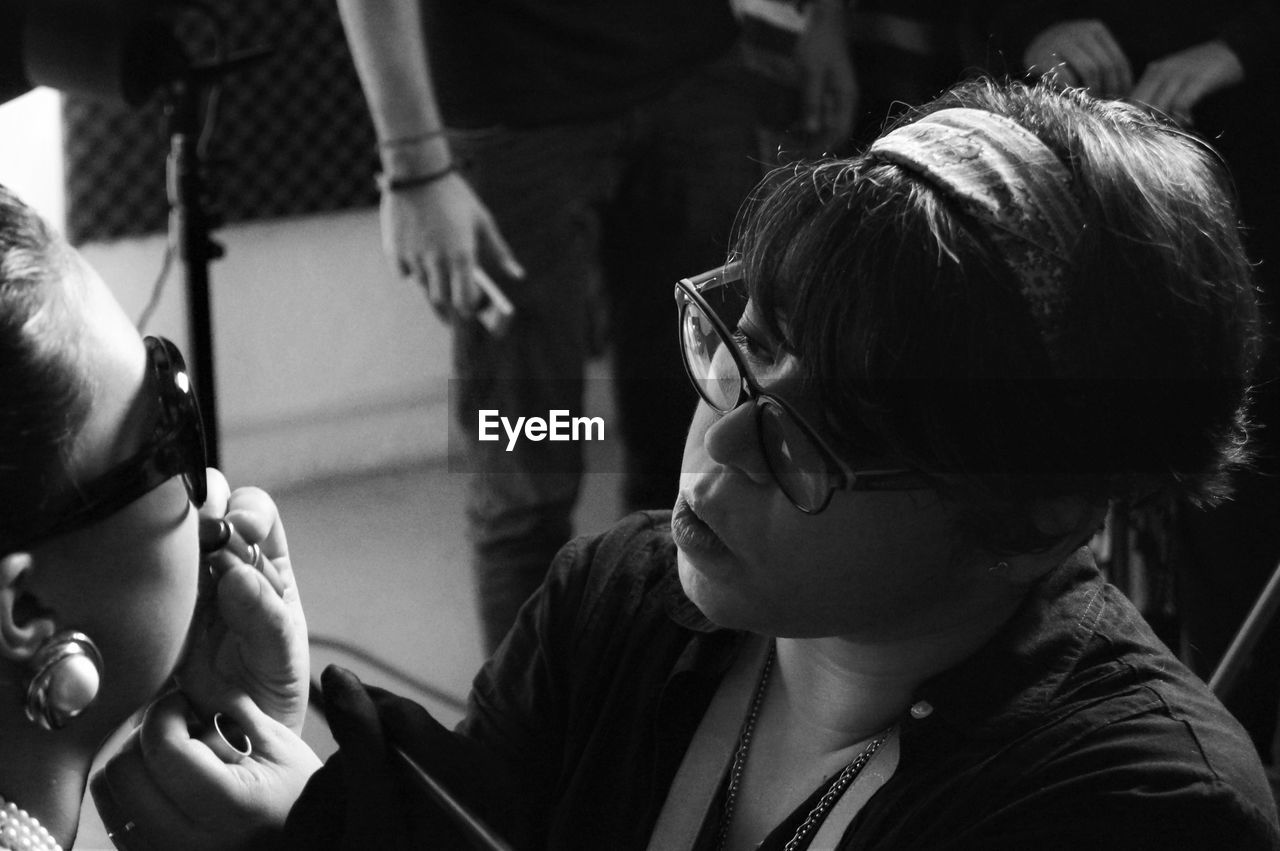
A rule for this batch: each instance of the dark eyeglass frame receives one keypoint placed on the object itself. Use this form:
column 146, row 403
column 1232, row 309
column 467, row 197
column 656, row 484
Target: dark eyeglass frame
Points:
column 840, row 475
column 177, row 448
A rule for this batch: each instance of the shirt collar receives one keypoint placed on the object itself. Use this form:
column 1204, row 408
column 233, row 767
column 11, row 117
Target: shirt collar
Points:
column 1014, row 677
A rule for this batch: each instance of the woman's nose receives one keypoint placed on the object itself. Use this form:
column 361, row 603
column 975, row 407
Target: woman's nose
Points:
column 732, row 440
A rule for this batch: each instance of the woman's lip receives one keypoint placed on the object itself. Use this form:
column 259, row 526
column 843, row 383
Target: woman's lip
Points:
column 691, row 533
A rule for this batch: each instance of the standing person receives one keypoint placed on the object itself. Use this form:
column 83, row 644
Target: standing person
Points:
column 1213, row 68
column 559, row 149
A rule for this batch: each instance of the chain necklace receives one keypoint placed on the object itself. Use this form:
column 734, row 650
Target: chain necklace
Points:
column 21, row 831
column 828, row 800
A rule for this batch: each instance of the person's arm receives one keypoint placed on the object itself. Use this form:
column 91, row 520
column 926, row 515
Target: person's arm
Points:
column 1243, row 48
column 1057, row 40
column 434, row 227
column 829, row 87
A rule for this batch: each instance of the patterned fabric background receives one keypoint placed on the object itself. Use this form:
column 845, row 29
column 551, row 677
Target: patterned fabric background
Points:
column 291, row 134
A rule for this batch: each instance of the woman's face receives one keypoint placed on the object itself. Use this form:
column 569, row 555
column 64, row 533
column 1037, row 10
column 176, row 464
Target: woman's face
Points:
column 130, row 581
column 873, row 565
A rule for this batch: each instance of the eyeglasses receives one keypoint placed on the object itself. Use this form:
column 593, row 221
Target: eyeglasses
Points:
column 805, row 467
column 176, row 449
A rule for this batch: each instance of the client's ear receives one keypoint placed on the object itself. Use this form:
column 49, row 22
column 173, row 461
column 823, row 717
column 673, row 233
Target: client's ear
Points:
column 24, row 623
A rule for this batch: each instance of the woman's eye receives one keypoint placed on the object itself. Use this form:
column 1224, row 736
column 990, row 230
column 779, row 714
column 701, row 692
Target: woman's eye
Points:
column 751, row 347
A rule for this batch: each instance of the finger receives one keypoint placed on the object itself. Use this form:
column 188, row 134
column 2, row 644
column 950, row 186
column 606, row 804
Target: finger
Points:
column 462, row 290
column 1061, row 73
column 1084, row 60
column 1105, row 58
column 427, row 273
column 256, row 516
column 176, row 743
column 495, row 248
column 124, row 832
column 135, row 800
column 215, row 501
column 1145, row 88
column 168, row 746
column 1161, row 90
column 1119, row 70
column 1182, row 102
column 354, row 722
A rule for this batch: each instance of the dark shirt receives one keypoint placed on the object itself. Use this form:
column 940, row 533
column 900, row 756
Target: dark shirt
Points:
column 1072, row 728
column 536, row 62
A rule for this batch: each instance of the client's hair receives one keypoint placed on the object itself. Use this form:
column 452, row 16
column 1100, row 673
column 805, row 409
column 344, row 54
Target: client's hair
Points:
column 43, row 401
column 913, row 329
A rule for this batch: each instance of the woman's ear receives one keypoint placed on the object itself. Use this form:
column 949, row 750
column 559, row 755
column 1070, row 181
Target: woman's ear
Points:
column 1070, row 519
column 24, row 623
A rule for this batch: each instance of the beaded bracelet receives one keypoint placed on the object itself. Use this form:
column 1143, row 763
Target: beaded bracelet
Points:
column 424, row 136
column 413, row 181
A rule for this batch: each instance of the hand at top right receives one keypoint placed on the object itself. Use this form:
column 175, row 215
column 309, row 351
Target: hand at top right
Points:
column 1175, row 84
column 1081, row 53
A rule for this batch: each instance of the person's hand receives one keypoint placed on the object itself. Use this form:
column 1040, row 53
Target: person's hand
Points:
column 828, row 86
column 366, row 797
column 1081, row 53
column 1175, row 84
column 167, row 788
column 441, row 235
column 249, row 639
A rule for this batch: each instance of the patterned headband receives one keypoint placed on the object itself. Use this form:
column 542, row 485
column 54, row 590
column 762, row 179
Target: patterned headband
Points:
column 1009, row 181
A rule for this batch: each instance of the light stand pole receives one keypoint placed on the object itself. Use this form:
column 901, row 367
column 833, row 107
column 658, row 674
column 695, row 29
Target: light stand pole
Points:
column 191, row 227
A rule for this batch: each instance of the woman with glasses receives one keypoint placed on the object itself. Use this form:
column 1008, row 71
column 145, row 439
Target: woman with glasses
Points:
column 871, row 621
column 104, row 503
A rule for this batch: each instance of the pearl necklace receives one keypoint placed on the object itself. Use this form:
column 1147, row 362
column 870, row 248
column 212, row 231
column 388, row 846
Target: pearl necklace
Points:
column 21, row 831
column 837, row 788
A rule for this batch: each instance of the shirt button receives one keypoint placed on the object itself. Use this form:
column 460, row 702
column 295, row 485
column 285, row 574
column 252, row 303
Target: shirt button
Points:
column 921, row 709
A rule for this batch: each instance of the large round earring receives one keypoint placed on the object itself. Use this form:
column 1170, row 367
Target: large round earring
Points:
column 68, row 672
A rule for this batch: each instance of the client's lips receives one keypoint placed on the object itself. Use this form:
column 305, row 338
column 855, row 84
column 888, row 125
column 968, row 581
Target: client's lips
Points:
column 691, row 533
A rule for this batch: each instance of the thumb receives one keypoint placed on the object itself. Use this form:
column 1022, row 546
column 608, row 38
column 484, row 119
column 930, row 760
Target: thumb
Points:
column 373, row 803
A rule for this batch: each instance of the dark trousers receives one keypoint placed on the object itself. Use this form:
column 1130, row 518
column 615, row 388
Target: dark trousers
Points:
column 608, row 212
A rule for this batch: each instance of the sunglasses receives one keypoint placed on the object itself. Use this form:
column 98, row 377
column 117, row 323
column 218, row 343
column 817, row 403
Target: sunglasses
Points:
column 805, row 467
column 176, row 448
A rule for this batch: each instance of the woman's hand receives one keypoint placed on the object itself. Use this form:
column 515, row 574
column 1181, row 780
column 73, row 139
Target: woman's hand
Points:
column 828, row 85
column 1176, row 84
column 167, row 788
column 365, row 797
column 441, row 235
column 250, row 639
column 1081, row 53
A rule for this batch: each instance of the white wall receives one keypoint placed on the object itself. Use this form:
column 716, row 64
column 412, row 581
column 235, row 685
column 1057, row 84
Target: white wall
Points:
column 325, row 362
column 31, row 151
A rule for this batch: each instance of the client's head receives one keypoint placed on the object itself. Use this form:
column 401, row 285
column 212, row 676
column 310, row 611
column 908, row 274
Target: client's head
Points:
column 1015, row 306
column 101, row 454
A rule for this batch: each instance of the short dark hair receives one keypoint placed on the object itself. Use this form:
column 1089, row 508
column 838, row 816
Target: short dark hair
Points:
column 44, row 399
column 912, row 329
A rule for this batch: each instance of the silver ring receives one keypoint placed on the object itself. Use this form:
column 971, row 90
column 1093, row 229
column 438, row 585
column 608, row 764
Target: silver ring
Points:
column 255, row 557
column 227, row 739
